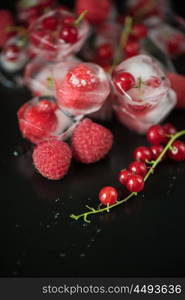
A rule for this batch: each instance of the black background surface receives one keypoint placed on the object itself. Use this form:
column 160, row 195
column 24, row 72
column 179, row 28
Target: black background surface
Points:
column 142, row 238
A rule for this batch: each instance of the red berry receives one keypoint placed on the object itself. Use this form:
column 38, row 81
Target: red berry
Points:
column 177, row 152
column 68, row 20
column 174, row 43
column 108, row 195
column 131, row 49
column 153, row 82
column 138, row 167
column 105, row 51
column 69, row 34
column 156, row 135
column 143, row 154
column 46, row 106
column 91, row 142
column 11, row 52
column 52, row 159
column 98, row 10
column 123, row 81
column 135, row 183
column 123, row 176
column 82, row 78
column 169, row 129
column 6, row 20
column 50, row 23
column 139, row 31
column 36, row 124
column 156, row 151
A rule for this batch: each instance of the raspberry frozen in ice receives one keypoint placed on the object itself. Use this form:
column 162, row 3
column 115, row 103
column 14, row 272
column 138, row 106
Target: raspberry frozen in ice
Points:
column 81, row 88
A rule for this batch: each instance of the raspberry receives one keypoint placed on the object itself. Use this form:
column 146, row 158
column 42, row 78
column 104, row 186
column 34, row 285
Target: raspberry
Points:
column 52, row 159
column 6, row 20
column 91, row 141
column 98, row 10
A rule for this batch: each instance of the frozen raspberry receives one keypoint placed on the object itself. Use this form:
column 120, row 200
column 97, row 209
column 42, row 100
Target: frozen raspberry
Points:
column 98, row 10
column 36, row 123
column 78, row 83
column 6, row 21
column 52, row 159
column 91, row 141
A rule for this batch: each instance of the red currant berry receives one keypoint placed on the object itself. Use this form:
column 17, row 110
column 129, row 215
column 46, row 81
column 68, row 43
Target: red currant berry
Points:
column 49, row 23
column 169, row 129
column 108, row 195
column 156, row 151
column 174, row 43
column 69, row 34
column 154, row 82
column 123, row 176
column 156, row 135
column 131, row 49
column 177, row 152
column 143, row 154
column 138, row 167
column 139, row 31
column 11, row 52
column 123, row 81
column 68, row 20
column 104, row 52
column 135, row 183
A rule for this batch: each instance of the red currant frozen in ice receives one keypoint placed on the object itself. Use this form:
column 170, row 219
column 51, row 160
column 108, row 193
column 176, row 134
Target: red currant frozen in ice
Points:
column 173, row 44
column 69, row 34
column 143, row 153
column 50, row 23
column 123, row 176
column 153, row 82
column 105, row 51
column 135, row 183
column 12, row 52
column 37, row 36
column 139, row 31
column 177, row 151
column 108, row 195
column 68, row 20
column 138, row 167
column 131, row 49
column 123, row 81
column 169, row 129
column 156, row 151
column 156, row 135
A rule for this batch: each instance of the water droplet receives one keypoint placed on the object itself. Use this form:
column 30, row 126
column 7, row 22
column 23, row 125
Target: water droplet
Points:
column 48, row 226
column 56, row 215
column 18, row 263
column 62, row 254
column 57, row 200
column 98, row 230
column 15, row 153
column 174, row 177
column 82, row 255
column 17, row 225
column 92, row 239
column 88, row 245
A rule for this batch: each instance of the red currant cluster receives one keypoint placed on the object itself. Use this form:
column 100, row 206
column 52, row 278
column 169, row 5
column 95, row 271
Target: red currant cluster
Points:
column 134, row 177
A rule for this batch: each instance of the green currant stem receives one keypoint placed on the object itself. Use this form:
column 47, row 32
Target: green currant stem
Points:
column 123, row 41
column 93, row 211
column 80, row 18
column 166, row 148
